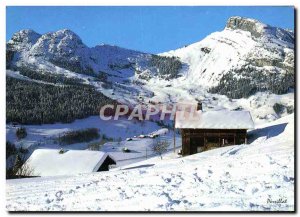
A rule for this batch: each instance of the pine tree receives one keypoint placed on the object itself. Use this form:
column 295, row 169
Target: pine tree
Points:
column 17, row 165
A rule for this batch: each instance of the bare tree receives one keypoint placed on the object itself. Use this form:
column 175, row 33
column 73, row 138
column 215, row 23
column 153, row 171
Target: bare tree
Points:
column 25, row 171
column 95, row 146
column 22, row 169
column 160, row 147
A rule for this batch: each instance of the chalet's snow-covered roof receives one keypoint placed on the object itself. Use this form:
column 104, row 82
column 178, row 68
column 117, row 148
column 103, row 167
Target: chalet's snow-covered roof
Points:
column 223, row 119
column 49, row 162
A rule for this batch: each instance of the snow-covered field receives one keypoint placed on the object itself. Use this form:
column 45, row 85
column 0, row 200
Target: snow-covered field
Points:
column 244, row 177
column 45, row 136
column 115, row 129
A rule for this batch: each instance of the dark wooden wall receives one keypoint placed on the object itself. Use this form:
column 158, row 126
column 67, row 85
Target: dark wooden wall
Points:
column 108, row 161
column 205, row 139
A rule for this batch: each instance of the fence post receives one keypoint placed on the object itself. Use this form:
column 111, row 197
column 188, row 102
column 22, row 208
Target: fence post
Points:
column 174, row 137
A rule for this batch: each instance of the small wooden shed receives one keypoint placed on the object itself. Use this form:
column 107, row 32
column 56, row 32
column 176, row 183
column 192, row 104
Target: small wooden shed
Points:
column 212, row 129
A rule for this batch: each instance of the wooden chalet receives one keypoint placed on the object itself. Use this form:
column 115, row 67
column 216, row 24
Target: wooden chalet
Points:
column 211, row 129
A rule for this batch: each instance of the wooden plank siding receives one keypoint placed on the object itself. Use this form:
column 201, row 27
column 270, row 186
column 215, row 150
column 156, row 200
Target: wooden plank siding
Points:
column 197, row 140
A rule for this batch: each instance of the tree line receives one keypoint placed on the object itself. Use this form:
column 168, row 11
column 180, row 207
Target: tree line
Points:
column 166, row 66
column 35, row 103
column 46, row 76
column 76, row 136
column 246, row 81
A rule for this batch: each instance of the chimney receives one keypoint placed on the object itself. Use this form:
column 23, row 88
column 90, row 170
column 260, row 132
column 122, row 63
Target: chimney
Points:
column 199, row 106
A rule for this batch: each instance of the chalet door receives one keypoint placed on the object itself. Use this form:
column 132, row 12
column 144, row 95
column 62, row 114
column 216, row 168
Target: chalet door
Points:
column 227, row 140
column 197, row 145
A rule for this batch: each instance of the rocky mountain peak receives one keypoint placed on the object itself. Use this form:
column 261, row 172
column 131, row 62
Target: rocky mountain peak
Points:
column 66, row 33
column 65, row 36
column 251, row 25
column 62, row 42
column 23, row 39
column 259, row 29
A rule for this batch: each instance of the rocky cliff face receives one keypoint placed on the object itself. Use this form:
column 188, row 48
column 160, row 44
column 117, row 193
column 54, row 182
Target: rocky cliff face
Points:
column 258, row 29
column 254, row 27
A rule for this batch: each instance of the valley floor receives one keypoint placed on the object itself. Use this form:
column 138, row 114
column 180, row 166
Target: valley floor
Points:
column 255, row 177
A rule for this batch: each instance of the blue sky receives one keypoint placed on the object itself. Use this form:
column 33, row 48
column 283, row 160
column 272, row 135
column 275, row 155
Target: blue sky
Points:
column 148, row 29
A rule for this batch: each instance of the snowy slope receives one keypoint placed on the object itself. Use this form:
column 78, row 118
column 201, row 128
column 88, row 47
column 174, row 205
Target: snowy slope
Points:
column 247, row 42
column 245, row 177
column 206, row 67
column 254, row 51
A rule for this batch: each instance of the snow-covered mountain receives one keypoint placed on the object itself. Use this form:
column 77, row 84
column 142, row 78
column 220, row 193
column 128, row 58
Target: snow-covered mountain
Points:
column 245, row 47
column 245, row 58
column 66, row 50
